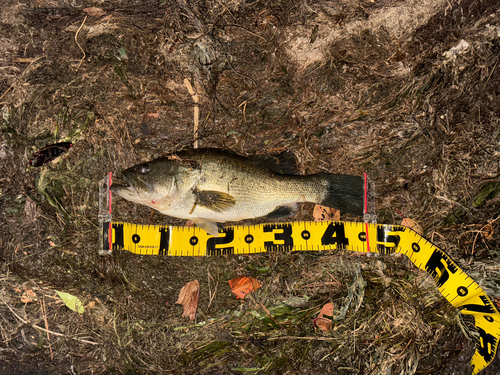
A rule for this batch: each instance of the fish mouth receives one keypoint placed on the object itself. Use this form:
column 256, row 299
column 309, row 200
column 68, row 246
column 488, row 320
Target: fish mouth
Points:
column 132, row 188
column 123, row 190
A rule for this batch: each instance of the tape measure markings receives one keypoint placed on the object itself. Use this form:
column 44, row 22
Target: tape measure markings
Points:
column 453, row 283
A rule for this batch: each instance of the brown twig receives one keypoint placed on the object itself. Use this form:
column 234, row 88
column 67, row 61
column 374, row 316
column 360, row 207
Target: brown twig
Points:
column 63, row 335
column 196, row 100
column 78, row 44
column 44, row 312
column 211, row 295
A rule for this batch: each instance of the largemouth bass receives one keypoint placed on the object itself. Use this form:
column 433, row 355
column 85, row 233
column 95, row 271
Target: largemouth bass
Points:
column 211, row 186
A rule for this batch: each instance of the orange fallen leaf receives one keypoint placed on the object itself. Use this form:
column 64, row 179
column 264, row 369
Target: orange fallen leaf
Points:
column 243, row 285
column 154, row 115
column 323, row 213
column 324, row 319
column 412, row 224
column 94, row 12
column 188, row 298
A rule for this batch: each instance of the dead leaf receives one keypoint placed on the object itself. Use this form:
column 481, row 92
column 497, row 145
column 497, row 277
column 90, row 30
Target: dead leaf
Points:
column 94, row 12
column 322, row 213
column 154, row 115
column 243, row 285
column 412, row 224
column 188, row 298
column 324, row 319
column 488, row 231
column 28, row 296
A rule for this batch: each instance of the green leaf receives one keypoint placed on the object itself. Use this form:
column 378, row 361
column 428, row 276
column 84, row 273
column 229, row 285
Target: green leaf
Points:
column 72, row 301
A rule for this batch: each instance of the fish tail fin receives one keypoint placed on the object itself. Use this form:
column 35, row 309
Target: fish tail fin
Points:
column 344, row 192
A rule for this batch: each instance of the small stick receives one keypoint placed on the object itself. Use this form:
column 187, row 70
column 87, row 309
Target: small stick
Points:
column 44, row 312
column 63, row 335
column 78, row 44
column 196, row 100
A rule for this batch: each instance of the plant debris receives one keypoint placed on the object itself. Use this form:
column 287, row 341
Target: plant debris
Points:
column 49, row 153
column 243, row 285
column 94, row 12
column 188, row 298
column 324, row 319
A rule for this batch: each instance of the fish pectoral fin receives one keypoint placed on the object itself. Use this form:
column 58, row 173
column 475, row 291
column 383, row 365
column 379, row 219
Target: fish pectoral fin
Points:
column 210, row 227
column 282, row 211
column 214, row 200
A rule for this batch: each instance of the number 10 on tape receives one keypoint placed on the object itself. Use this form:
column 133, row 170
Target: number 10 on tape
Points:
column 453, row 283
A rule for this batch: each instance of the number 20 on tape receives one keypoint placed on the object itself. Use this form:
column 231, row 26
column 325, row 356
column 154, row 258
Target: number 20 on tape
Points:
column 453, row 283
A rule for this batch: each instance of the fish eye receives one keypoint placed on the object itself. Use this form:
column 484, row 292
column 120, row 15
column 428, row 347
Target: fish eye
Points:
column 143, row 169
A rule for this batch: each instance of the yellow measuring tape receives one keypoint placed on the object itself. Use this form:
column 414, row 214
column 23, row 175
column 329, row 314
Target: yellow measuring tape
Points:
column 453, row 283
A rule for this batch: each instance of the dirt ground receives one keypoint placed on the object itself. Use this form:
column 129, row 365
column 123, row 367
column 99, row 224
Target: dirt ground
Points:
column 405, row 90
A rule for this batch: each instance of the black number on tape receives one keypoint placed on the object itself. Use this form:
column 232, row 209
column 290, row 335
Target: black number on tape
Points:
column 119, row 238
column 213, row 241
column 335, row 235
column 486, row 345
column 415, row 247
column 193, row 241
column 438, row 266
column 305, row 235
column 485, row 308
column 248, row 238
column 388, row 243
column 285, row 236
column 164, row 239
column 136, row 238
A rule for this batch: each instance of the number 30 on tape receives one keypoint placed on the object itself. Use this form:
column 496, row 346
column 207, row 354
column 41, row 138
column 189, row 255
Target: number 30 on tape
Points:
column 453, row 283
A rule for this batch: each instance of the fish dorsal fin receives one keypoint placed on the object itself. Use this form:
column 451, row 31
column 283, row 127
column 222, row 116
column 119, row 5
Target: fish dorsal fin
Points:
column 283, row 163
column 213, row 200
